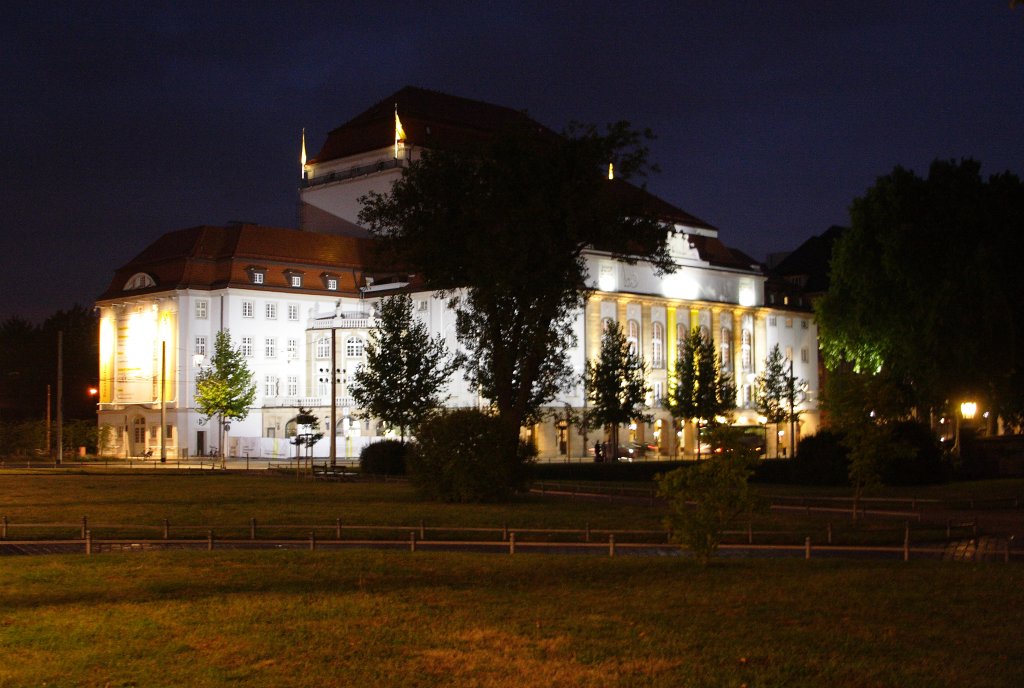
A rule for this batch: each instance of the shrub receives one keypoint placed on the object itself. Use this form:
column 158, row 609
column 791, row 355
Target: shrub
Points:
column 921, row 464
column 456, row 459
column 386, row 457
column 703, row 499
column 822, row 459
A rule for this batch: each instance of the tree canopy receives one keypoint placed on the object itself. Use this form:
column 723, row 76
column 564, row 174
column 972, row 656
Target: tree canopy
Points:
column 406, row 370
column 502, row 227
column 615, row 385
column 225, row 388
column 924, row 286
column 698, row 389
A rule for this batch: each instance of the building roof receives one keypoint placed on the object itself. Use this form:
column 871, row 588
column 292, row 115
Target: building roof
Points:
column 809, row 265
column 212, row 257
column 430, row 119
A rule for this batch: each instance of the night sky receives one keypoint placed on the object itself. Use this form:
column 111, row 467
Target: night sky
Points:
column 123, row 121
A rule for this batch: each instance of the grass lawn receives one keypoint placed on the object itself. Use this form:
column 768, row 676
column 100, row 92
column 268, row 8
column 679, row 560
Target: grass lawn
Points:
column 287, row 618
column 360, row 618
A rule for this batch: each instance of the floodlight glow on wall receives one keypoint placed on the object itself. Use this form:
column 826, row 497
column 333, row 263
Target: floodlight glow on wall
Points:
column 968, row 410
column 679, row 286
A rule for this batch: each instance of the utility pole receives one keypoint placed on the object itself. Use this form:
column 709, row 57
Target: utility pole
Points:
column 60, row 396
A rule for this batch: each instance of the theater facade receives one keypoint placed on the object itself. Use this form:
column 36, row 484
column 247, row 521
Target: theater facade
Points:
column 300, row 303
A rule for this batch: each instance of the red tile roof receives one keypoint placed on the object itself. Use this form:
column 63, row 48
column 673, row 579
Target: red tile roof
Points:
column 210, row 257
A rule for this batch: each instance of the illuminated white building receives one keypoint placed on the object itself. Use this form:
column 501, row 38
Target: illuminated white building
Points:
column 280, row 292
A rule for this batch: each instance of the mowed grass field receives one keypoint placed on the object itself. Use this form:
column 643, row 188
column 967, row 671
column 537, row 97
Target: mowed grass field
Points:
column 361, row 618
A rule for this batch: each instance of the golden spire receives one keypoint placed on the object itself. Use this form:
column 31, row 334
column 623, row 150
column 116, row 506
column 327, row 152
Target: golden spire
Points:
column 302, row 156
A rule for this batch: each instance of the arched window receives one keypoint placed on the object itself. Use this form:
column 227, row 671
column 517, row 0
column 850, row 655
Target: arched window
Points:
column 354, row 347
column 323, row 347
column 607, row 324
column 682, row 333
column 633, row 336
column 726, row 348
column 657, row 345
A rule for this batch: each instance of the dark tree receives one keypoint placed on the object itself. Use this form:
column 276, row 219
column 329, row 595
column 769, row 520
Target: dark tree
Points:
column 924, row 288
column 502, row 226
column 615, row 385
column 699, row 391
column 406, row 369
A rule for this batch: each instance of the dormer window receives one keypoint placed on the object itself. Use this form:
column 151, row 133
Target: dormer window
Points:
column 294, row 278
column 257, row 275
column 330, row 281
column 140, row 280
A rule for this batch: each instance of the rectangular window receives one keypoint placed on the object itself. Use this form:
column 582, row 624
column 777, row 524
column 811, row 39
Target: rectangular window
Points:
column 789, row 353
column 293, row 385
column 270, row 347
column 170, row 431
column 247, row 347
column 200, row 345
column 293, row 348
column 293, row 311
column 804, row 355
column 332, row 284
column 271, row 311
column 270, row 386
column 271, row 432
column 658, row 393
column 789, row 322
column 296, row 280
column 202, row 308
column 257, row 277
column 772, row 321
column 248, row 308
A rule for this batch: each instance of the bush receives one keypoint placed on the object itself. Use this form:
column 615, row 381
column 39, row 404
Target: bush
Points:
column 456, row 458
column 822, row 459
column 386, row 457
column 704, row 499
column 923, row 461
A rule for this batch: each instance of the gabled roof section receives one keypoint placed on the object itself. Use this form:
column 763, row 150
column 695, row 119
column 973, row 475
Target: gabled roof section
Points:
column 810, row 263
column 430, row 119
column 212, row 257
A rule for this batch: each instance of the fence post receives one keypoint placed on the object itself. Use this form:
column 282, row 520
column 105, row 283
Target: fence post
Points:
column 750, row 532
column 412, row 540
column 3, row 526
column 611, row 545
column 312, row 540
column 511, row 543
column 167, row 529
column 209, row 540
column 337, row 529
column 88, row 542
column 807, row 547
column 504, row 532
column 85, row 525
column 423, row 531
column 906, row 541
column 252, row 528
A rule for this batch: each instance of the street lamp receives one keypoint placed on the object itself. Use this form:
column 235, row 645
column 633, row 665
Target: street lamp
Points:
column 968, row 410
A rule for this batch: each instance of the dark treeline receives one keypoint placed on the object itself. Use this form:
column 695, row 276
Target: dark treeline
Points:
column 28, row 363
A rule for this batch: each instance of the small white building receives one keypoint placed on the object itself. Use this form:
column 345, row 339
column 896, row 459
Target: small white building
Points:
column 282, row 293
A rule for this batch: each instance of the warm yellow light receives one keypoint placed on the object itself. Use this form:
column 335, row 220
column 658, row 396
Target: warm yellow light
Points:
column 611, row 170
column 762, row 420
column 720, row 419
column 302, row 156
column 968, row 409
